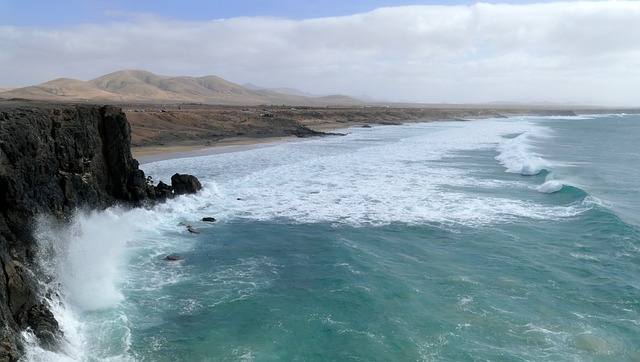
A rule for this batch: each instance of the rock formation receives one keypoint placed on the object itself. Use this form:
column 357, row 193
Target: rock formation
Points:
column 54, row 158
column 185, row 184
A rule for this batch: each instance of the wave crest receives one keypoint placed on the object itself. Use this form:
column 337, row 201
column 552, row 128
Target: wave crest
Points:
column 517, row 156
column 550, row 187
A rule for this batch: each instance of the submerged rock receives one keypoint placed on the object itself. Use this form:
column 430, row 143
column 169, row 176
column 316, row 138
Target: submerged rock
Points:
column 173, row 258
column 192, row 230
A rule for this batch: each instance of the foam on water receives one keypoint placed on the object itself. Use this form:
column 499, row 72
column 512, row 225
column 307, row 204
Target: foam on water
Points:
column 551, row 184
column 87, row 256
column 372, row 177
column 517, row 155
column 85, row 260
column 360, row 180
column 550, row 187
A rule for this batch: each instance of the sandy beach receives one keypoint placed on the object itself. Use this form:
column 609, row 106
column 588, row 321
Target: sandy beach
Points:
column 188, row 149
column 192, row 130
column 181, row 149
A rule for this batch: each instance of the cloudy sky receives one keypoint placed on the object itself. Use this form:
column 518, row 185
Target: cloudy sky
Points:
column 396, row 50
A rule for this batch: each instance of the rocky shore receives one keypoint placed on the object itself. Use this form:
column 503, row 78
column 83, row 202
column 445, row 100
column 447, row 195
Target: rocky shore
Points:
column 55, row 158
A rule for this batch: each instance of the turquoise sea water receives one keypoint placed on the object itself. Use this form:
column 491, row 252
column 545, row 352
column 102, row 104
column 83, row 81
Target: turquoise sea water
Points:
column 492, row 240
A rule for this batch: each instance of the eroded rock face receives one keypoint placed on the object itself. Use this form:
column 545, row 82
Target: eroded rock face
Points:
column 53, row 159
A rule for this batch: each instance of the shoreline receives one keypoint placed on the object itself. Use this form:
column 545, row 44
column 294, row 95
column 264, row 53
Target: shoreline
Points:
column 198, row 130
column 185, row 149
column 176, row 129
column 175, row 150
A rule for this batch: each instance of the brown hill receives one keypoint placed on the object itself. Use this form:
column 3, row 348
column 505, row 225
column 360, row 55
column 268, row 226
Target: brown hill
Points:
column 136, row 86
column 132, row 84
column 61, row 89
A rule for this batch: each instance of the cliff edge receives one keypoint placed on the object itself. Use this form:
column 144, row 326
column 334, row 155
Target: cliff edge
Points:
column 53, row 159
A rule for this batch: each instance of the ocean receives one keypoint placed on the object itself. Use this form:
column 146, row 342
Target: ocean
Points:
column 489, row 240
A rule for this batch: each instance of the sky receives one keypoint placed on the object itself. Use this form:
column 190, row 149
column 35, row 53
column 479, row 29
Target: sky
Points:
column 580, row 52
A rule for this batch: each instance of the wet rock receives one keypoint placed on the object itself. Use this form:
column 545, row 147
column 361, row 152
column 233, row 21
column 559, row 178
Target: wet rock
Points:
column 44, row 326
column 209, row 219
column 162, row 191
column 185, row 184
column 192, row 230
column 55, row 158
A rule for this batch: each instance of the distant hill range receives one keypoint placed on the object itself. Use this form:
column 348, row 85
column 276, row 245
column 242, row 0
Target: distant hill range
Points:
column 138, row 86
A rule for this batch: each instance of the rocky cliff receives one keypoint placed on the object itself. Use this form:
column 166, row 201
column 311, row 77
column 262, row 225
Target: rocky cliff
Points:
column 53, row 159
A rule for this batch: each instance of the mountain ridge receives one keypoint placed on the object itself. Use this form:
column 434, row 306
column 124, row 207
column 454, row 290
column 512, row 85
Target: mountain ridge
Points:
column 140, row 86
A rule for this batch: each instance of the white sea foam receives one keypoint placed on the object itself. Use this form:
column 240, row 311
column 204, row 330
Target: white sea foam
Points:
column 70, row 345
column 86, row 256
column 550, row 187
column 517, row 156
column 371, row 176
column 84, row 259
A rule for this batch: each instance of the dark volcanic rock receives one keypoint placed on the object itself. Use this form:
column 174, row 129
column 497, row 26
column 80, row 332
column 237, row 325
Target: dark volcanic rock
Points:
column 53, row 159
column 185, row 184
column 305, row 132
column 44, row 325
column 162, row 191
column 209, row 219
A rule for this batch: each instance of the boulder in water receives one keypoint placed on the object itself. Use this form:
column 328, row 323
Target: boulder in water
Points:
column 162, row 191
column 209, row 219
column 185, row 184
column 192, row 230
column 173, row 258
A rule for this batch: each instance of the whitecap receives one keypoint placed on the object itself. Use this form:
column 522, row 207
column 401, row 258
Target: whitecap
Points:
column 550, row 187
column 376, row 177
column 517, row 156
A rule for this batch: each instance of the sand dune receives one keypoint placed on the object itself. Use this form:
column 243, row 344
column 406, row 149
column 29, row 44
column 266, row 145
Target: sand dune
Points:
column 143, row 86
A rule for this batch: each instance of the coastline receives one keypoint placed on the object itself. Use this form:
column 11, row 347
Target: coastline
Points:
column 147, row 154
column 185, row 149
column 104, row 132
column 194, row 130
column 189, row 128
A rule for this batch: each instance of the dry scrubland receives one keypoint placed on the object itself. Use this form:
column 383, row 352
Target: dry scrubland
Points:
column 201, row 111
column 154, row 125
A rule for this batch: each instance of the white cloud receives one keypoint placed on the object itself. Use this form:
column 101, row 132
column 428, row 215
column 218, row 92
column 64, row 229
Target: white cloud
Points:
column 572, row 51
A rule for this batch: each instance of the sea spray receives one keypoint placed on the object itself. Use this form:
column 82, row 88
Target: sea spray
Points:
column 392, row 243
column 86, row 255
column 82, row 260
